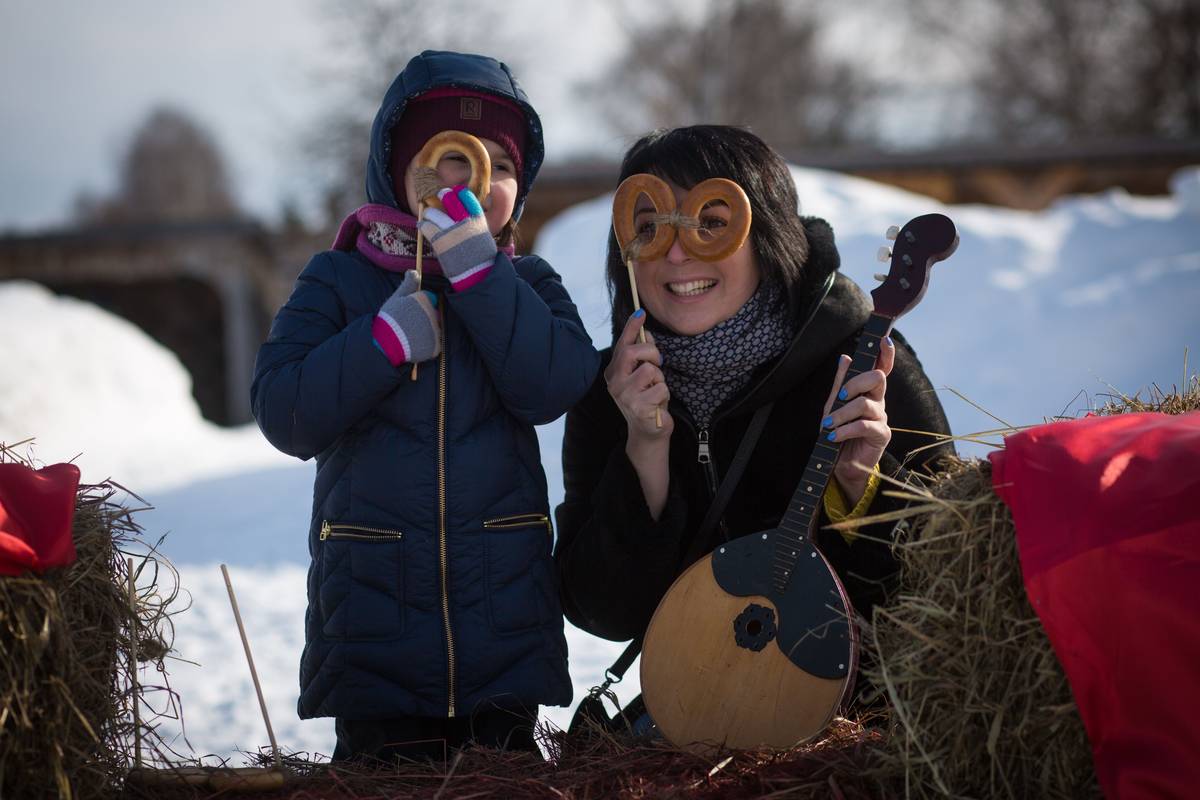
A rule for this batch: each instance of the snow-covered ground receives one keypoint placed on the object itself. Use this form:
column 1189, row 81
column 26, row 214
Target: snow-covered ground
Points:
column 1034, row 315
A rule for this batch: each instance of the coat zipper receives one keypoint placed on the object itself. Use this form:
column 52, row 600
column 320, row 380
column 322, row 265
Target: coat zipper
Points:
column 519, row 521
column 340, row 531
column 441, row 429
column 704, row 456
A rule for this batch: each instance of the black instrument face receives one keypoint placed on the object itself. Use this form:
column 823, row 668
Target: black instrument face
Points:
column 812, row 626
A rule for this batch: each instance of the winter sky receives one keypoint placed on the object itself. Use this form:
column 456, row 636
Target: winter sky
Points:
column 77, row 78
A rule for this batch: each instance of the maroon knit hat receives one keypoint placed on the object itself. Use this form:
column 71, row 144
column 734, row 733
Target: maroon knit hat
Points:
column 450, row 109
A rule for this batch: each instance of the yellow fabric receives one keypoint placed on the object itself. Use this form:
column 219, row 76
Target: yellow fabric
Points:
column 835, row 504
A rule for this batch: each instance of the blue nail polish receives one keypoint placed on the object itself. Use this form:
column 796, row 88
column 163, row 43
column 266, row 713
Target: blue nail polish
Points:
column 827, row 422
column 832, row 436
column 842, row 395
column 890, row 342
column 639, row 312
column 433, row 300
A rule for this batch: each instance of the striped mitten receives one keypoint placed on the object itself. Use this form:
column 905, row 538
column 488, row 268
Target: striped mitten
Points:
column 406, row 328
column 460, row 237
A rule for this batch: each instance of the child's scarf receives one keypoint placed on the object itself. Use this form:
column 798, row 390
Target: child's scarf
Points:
column 388, row 238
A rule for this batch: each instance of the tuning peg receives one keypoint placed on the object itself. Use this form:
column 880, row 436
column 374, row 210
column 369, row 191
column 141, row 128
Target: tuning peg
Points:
column 893, row 232
column 879, row 276
column 884, row 254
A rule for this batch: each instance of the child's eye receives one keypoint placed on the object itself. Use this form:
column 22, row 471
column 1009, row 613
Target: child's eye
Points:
column 501, row 167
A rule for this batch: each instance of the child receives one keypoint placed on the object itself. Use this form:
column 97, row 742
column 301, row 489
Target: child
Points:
column 433, row 612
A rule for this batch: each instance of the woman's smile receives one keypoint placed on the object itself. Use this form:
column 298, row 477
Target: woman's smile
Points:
column 688, row 289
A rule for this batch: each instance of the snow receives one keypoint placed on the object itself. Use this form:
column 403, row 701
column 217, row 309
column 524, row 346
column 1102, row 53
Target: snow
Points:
column 1035, row 315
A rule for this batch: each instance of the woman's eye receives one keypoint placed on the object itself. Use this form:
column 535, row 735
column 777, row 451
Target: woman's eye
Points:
column 646, row 230
column 712, row 223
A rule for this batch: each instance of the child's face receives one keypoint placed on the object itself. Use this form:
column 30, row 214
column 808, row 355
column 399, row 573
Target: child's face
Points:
column 502, row 198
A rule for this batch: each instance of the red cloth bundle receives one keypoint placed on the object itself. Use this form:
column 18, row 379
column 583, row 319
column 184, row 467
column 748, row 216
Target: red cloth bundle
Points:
column 1108, row 531
column 36, row 510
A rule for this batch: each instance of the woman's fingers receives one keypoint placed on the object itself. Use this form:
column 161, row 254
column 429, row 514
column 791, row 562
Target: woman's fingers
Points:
column 635, row 379
column 887, row 356
column 628, row 351
column 638, row 404
column 646, row 375
column 872, row 383
column 871, row 431
column 634, row 354
column 629, row 334
column 642, row 403
column 839, row 376
column 861, row 407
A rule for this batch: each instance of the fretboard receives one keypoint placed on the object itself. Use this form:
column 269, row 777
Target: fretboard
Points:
column 796, row 525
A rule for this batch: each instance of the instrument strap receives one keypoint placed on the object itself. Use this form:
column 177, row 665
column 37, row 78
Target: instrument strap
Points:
column 700, row 543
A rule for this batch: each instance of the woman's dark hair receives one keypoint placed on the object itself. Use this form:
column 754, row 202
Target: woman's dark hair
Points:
column 687, row 156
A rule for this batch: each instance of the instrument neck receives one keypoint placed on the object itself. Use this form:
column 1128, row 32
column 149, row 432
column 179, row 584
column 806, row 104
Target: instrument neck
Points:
column 797, row 524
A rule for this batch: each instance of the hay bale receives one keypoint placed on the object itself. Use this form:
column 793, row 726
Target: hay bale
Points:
column 981, row 706
column 65, row 701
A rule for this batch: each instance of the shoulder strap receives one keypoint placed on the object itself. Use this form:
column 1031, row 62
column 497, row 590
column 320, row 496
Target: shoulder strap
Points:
column 700, row 541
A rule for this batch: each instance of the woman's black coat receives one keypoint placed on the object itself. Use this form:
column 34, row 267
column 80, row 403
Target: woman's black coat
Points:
column 615, row 563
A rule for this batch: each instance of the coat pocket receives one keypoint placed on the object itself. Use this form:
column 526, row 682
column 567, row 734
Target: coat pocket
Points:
column 520, row 584
column 362, row 582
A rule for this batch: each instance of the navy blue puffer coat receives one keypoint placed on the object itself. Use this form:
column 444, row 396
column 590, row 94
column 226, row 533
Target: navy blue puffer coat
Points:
column 431, row 588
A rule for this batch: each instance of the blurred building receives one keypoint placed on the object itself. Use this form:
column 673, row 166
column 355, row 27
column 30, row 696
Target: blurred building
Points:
column 206, row 290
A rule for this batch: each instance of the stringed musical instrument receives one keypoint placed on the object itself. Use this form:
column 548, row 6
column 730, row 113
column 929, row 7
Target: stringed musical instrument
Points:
column 755, row 644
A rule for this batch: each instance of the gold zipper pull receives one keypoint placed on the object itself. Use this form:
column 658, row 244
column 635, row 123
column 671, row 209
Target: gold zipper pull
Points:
column 326, row 528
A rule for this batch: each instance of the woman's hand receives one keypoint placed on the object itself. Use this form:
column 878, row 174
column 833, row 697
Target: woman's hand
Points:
column 636, row 383
column 861, row 424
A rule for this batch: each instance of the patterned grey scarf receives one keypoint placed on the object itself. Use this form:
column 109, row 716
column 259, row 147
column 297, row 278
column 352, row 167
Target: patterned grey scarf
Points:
column 705, row 370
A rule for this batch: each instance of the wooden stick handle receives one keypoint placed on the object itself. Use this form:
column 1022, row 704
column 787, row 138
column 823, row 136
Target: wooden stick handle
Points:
column 420, row 251
column 133, row 666
column 637, row 304
column 237, row 615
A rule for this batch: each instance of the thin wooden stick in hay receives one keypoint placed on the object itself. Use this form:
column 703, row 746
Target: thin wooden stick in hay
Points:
column 981, row 706
column 65, row 699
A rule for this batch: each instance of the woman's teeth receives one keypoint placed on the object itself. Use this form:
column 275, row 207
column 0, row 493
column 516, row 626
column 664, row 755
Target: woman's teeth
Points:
column 691, row 287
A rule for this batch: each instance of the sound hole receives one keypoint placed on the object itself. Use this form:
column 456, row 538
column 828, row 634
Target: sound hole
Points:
column 754, row 627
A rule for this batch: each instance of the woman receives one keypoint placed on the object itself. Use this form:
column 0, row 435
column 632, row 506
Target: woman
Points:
column 723, row 339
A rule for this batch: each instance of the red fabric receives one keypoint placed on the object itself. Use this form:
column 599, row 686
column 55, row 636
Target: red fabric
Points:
column 1108, row 532
column 36, row 510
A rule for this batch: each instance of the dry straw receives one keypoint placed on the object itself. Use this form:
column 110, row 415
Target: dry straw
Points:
column 66, row 721
column 598, row 766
